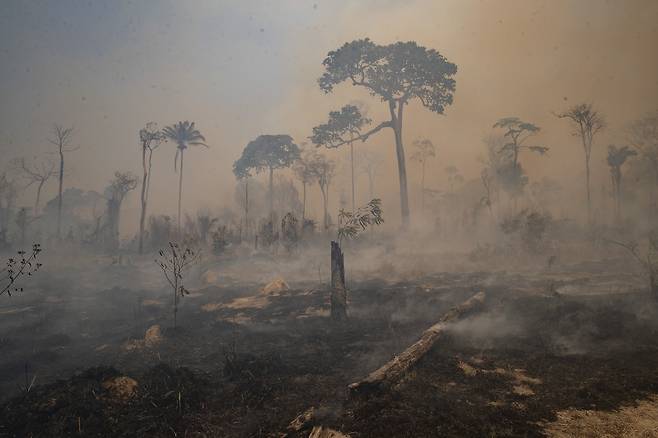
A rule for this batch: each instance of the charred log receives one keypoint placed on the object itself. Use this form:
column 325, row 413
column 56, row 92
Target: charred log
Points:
column 397, row 366
column 338, row 289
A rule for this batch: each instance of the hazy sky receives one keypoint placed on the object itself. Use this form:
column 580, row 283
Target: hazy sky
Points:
column 243, row 68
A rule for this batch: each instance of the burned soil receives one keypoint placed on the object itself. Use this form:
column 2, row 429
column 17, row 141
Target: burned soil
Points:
column 247, row 359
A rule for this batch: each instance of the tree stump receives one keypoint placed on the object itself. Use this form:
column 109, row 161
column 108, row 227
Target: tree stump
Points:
column 338, row 289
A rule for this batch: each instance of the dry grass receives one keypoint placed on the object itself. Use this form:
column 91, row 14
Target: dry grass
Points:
column 639, row 421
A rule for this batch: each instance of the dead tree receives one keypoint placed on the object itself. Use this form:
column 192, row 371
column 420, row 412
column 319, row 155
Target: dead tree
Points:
column 424, row 150
column 350, row 225
column 174, row 262
column 119, row 187
column 338, row 288
column 62, row 141
column 150, row 137
column 648, row 259
column 586, row 122
column 397, row 366
column 37, row 174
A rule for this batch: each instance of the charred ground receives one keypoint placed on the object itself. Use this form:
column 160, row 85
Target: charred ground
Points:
column 248, row 359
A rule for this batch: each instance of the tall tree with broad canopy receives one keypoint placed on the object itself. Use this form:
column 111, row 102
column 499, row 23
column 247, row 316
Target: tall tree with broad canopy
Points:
column 343, row 127
column 184, row 134
column 586, row 122
column 396, row 73
column 267, row 152
column 150, row 137
column 423, row 150
column 617, row 156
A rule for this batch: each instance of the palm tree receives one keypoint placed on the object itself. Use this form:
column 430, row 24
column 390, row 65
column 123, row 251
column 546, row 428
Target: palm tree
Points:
column 185, row 135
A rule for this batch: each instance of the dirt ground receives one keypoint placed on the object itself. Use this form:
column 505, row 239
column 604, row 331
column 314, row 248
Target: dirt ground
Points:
column 570, row 351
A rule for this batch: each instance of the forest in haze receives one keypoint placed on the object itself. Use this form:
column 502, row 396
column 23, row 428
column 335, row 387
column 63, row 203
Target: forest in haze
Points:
column 329, row 219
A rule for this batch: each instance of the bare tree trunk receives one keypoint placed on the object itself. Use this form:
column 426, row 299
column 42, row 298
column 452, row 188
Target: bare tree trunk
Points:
column 180, row 190
column 59, row 198
column 176, row 294
column 338, row 289
column 352, row 164
column 422, row 188
column 271, row 194
column 587, row 186
column 392, row 370
column 619, row 197
column 303, row 203
column 325, row 206
column 246, row 206
column 402, row 169
column 36, row 203
column 371, row 185
column 142, row 215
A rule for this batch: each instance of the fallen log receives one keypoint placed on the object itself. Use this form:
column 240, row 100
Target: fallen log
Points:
column 397, row 366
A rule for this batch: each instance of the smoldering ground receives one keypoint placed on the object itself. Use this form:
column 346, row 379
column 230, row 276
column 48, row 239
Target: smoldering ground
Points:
column 336, row 218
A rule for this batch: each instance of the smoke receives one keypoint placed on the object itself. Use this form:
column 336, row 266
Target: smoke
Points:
column 240, row 70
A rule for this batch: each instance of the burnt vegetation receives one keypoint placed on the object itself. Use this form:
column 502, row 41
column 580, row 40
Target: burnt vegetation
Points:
column 338, row 282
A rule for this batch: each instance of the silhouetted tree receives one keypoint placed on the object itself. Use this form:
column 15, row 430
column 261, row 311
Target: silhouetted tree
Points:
column 453, row 177
column 8, row 195
column 303, row 172
column 116, row 192
column 397, row 73
column 323, row 170
column 491, row 175
column 150, row 137
column 61, row 139
column 586, row 123
column 643, row 136
column 370, row 163
column 423, row 150
column 184, row 134
column 516, row 132
column 243, row 174
column 36, row 173
column 204, row 224
column 343, row 127
column 617, row 156
column 23, row 220
column 267, row 152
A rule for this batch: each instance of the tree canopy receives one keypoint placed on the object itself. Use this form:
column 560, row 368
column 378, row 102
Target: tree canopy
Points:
column 184, row 134
column 585, row 121
column 266, row 152
column 516, row 132
column 343, row 127
column 400, row 71
column 423, row 149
